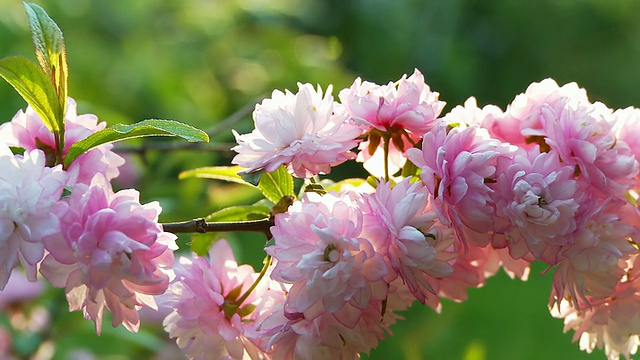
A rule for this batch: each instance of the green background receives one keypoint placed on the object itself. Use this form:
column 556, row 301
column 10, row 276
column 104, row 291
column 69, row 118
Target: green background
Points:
column 200, row 61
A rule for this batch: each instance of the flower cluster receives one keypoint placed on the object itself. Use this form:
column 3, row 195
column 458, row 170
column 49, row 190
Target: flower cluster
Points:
column 104, row 248
column 553, row 178
column 452, row 198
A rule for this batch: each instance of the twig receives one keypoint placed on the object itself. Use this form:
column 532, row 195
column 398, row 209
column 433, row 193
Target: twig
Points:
column 175, row 145
column 202, row 226
column 217, row 129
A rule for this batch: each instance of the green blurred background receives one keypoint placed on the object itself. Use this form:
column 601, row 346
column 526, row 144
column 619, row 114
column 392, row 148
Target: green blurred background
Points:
column 200, row 61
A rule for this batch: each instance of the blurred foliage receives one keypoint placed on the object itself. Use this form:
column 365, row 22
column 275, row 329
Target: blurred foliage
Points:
column 200, row 61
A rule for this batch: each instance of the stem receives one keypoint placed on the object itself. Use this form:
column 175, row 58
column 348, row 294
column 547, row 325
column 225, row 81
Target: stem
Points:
column 202, row 226
column 406, row 135
column 246, row 294
column 386, row 137
column 59, row 144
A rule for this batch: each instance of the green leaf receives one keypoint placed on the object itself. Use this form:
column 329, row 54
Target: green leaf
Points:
column 410, row 169
column 277, row 184
column 253, row 177
column 51, row 53
column 17, row 150
column 240, row 213
column 352, row 182
column 225, row 173
column 34, row 87
column 119, row 132
column 201, row 243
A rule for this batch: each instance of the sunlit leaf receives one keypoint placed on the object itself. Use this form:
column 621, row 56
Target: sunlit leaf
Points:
column 240, row 213
column 224, row 173
column 119, row 132
column 275, row 185
column 51, row 53
column 34, row 87
column 353, row 183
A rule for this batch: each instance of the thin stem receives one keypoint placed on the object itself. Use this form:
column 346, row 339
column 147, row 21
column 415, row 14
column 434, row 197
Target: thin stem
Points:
column 246, row 294
column 172, row 145
column 59, row 144
column 214, row 131
column 386, row 138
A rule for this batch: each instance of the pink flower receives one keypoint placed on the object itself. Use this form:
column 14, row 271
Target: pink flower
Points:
column 27, row 130
column 321, row 252
column 28, row 194
column 293, row 336
column 110, row 252
column 593, row 262
column 583, row 137
column 207, row 320
column 489, row 117
column 403, row 111
column 537, row 202
column 307, row 131
column 400, row 219
column 523, row 125
column 626, row 127
column 612, row 324
column 457, row 163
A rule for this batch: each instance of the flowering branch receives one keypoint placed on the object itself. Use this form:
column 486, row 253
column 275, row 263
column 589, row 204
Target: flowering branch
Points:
column 553, row 178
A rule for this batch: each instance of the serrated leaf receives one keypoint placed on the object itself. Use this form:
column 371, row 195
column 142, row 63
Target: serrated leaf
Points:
column 50, row 51
column 239, row 213
column 35, row 88
column 224, row 173
column 119, row 132
column 276, row 185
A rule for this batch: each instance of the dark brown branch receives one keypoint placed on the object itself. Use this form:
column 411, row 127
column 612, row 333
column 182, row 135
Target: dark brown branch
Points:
column 202, row 226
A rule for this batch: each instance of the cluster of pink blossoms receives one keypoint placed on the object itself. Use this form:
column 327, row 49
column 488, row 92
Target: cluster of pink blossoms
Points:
column 104, row 248
column 452, row 199
column 551, row 178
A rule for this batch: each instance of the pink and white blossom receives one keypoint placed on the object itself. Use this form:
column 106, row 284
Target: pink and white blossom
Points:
column 594, row 261
column 489, row 117
column 29, row 192
column 210, row 320
column 537, row 204
column 626, row 127
column 110, row 252
column 585, row 138
column 293, row 336
column 28, row 131
column 402, row 111
column 522, row 125
column 399, row 220
column 307, row 131
column 320, row 250
column 611, row 324
column 456, row 165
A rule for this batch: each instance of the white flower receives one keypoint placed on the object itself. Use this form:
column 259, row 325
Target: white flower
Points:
column 307, row 131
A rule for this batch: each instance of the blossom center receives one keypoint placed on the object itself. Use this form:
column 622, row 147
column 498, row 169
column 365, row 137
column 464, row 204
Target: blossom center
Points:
column 331, row 254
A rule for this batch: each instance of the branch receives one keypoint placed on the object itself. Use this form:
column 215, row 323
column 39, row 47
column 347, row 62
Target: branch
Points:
column 202, row 226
